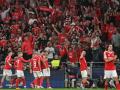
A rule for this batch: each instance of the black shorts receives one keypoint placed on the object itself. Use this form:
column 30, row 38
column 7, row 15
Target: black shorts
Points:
column 27, row 56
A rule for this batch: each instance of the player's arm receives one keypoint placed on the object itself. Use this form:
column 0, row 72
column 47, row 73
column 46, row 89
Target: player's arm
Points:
column 10, row 64
column 15, row 65
column 72, row 28
column 106, row 58
column 26, row 61
column 81, row 56
column 9, row 61
column 115, row 58
column 49, row 4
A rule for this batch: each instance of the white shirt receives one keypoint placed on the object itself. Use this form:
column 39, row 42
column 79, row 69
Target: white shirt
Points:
column 51, row 51
column 4, row 13
column 31, row 21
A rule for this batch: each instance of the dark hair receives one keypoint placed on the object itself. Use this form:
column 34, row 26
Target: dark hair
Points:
column 107, row 45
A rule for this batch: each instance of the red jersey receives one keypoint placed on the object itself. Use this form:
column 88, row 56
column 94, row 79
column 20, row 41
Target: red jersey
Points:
column 57, row 2
column 67, row 28
column 45, row 60
column 3, row 43
column 19, row 63
column 72, row 57
column 61, row 37
column 36, row 31
column 62, row 50
column 27, row 47
column 14, row 29
column 35, row 63
column 7, row 61
column 44, row 8
column 109, row 65
column 83, row 64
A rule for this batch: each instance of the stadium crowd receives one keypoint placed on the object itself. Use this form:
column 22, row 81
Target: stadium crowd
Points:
column 62, row 27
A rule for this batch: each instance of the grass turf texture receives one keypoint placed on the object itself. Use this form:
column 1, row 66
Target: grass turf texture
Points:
column 60, row 89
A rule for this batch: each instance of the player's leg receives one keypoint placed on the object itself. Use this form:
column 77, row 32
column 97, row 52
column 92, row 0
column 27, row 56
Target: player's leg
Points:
column 84, row 78
column 106, row 84
column 19, row 78
column 115, row 76
column 38, row 74
column 32, row 84
column 36, row 79
column 13, row 81
column 2, row 80
column 48, row 82
column 107, row 76
column 41, row 79
column 47, row 72
column 23, row 80
column 9, row 77
column 17, row 82
column 6, row 74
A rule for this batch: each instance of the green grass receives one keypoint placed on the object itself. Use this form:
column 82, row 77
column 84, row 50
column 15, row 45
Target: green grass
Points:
column 60, row 89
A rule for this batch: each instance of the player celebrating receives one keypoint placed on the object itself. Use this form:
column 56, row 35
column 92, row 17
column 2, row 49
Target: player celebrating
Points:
column 110, row 68
column 83, row 68
column 19, row 65
column 7, row 68
column 35, row 66
column 45, row 69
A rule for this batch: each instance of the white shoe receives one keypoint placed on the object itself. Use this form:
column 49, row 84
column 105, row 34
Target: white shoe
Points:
column 24, row 86
column 41, row 87
column 49, row 87
column 1, row 86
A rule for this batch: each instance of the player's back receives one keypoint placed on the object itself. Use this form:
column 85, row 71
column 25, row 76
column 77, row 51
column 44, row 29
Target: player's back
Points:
column 19, row 63
column 35, row 63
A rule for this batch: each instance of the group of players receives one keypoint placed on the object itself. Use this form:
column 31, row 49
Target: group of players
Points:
column 38, row 65
column 109, row 68
column 40, row 68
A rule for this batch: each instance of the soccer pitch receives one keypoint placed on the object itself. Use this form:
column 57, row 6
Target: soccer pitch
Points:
column 60, row 89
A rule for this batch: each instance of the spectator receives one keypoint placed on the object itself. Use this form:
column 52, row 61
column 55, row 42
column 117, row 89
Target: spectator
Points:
column 95, row 45
column 100, row 82
column 116, row 42
column 51, row 51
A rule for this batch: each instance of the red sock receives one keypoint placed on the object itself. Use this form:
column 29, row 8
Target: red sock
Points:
column 12, row 81
column 1, row 82
column 35, row 81
column 24, row 81
column 41, row 81
column 106, row 87
column 38, row 81
column 118, row 86
column 17, row 82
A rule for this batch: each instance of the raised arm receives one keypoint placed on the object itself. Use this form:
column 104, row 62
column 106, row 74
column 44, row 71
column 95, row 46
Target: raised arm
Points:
column 49, row 4
column 71, row 30
column 54, row 28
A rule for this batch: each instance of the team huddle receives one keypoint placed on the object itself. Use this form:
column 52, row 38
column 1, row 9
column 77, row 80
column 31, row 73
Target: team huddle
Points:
column 39, row 66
